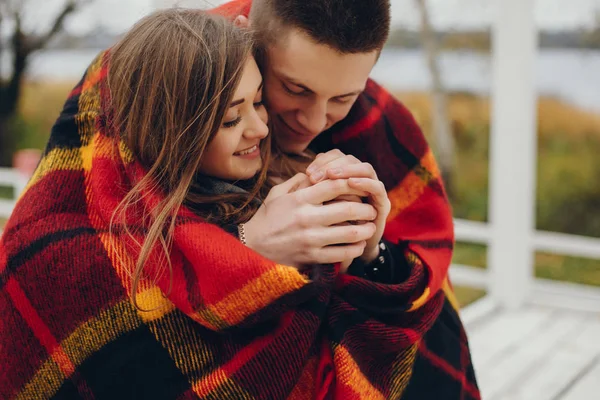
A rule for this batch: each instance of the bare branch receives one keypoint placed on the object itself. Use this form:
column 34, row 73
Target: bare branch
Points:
column 57, row 26
column 444, row 142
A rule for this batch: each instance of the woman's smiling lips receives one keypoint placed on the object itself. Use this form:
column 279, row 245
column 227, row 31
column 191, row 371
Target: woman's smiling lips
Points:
column 250, row 152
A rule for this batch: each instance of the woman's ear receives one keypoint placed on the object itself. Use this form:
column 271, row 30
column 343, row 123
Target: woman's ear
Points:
column 241, row 21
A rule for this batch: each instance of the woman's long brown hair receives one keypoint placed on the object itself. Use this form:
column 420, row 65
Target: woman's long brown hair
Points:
column 171, row 80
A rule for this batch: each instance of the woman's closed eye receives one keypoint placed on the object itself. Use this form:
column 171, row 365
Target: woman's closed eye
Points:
column 238, row 119
column 232, row 123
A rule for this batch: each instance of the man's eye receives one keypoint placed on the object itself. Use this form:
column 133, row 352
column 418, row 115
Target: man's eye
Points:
column 290, row 91
column 343, row 100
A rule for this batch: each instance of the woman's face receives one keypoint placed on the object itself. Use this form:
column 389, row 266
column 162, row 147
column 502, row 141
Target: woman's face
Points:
column 234, row 152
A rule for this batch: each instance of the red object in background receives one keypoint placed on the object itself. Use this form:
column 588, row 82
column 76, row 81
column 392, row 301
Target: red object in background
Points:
column 25, row 161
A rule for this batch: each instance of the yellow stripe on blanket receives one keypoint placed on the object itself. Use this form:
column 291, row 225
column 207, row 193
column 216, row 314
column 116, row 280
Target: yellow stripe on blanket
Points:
column 413, row 185
column 46, row 382
column 348, row 373
column 86, row 340
column 154, row 301
column 219, row 386
column 93, row 75
column 56, row 160
column 430, row 165
column 413, row 259
column 258, row 293
column 403, row 369
column 449, row 292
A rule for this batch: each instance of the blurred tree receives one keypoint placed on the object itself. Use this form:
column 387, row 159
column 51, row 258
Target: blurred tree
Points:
column 591, row 38
column 14, row 40
column 442, row 130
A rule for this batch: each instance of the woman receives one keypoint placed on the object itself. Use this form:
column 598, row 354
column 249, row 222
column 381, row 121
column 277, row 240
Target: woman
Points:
column 215, row 162
column 113, row 283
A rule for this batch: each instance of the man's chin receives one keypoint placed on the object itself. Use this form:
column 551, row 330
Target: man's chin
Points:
column 288, row 140
column 289, row 147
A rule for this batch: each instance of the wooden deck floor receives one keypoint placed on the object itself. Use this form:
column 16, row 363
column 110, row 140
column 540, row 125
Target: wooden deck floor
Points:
column 537, row 353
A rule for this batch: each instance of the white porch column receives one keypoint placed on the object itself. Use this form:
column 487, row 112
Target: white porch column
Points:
column 513, row 152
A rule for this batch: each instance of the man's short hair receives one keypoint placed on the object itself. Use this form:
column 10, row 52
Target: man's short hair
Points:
column 348, row 26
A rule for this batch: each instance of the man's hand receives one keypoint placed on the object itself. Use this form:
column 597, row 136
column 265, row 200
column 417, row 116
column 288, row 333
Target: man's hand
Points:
column 361, row 176
column 296, row 225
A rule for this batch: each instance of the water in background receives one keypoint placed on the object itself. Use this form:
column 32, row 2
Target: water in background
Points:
column 569, row 74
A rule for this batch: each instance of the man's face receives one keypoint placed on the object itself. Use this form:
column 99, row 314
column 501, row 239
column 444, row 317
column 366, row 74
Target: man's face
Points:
column 309, row 87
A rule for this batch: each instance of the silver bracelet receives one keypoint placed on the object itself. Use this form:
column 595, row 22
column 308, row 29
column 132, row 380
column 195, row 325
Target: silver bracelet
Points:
column 242, row 234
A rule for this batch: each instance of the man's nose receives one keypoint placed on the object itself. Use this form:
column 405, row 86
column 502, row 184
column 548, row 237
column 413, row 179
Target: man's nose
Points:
column 314, row 118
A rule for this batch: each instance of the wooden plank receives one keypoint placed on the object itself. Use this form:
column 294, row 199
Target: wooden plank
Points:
column 566, row 295
column 587, row 387
column 564, row 365
column 491, row 340
column 589, row 339
column 552, row 377
column 514, row 369
column 478, row 313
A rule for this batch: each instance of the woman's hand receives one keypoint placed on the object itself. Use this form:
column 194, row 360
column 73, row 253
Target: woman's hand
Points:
column 298, row 224
column 361, row 176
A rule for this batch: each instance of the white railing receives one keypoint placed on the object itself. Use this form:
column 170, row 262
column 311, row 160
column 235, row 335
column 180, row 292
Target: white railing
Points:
column 541, row 291
column 13, row 179
column 510, row 236
column 549, row 242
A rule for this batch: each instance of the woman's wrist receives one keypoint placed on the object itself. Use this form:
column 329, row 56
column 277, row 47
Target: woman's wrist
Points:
column 369, row 255
column 380, row 269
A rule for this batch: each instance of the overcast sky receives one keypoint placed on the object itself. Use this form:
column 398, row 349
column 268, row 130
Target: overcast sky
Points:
column 118, row 15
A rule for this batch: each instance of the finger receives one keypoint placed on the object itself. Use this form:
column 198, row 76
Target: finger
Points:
column 345, row 265
column 333, row 254
column 340, row 235
column 326, row 191
column 348, row 197
column 375, row 188
column 339, row 212
column 361, row 170
column 304, row 182
column 323, row 159
column 293, row 184
column 335, row 165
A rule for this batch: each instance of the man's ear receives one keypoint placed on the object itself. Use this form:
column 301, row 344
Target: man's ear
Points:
column 241, row 21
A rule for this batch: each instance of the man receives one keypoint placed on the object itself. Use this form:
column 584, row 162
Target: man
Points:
column 317, row 58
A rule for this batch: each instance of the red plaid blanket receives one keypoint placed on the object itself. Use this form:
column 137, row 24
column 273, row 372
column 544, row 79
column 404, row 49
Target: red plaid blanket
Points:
column 233, row 324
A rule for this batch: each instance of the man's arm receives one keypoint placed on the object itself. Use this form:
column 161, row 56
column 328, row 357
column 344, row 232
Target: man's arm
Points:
column 380, row 131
